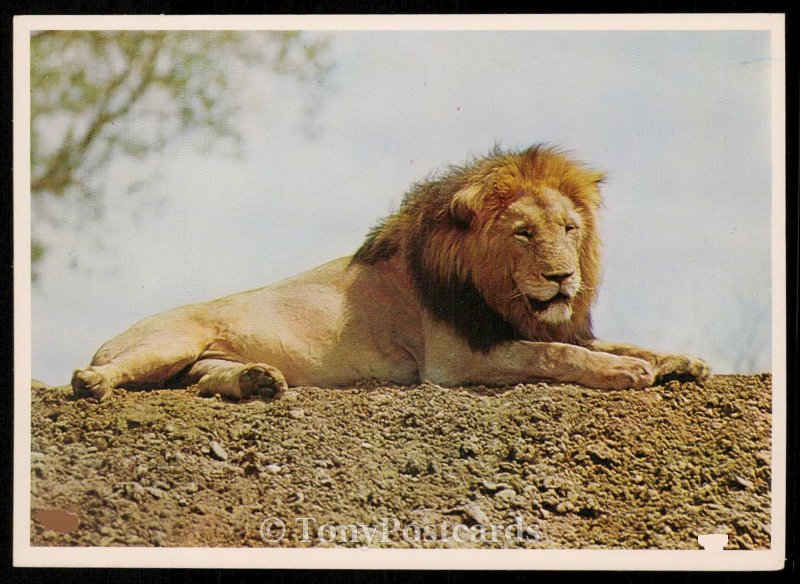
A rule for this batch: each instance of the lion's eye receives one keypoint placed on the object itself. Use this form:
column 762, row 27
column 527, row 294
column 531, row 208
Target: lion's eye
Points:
column 570, row 227
column 524, row 233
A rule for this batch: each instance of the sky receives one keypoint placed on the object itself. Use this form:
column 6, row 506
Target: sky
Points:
column 680, row 120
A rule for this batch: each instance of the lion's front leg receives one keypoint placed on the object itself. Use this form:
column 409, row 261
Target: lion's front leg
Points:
column 526, row 361
column 666, row 367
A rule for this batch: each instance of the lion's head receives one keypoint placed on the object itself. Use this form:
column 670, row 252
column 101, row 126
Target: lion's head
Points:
column 503, row 248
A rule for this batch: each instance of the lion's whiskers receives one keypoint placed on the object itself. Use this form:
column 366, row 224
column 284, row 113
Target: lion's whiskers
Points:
column 520, row 294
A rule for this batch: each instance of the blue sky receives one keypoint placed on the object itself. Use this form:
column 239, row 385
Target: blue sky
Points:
column 680, row 120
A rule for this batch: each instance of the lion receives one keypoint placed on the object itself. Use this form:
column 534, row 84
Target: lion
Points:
column 485, row 275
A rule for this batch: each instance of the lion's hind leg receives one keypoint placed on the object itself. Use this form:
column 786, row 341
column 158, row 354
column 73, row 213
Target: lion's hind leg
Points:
column 90, row 383
column 236, row 380
column 143, row 368
column 99, row 381
column 148, row 354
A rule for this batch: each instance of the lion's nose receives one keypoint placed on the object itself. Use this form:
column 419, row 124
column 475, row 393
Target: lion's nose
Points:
column 558, row 277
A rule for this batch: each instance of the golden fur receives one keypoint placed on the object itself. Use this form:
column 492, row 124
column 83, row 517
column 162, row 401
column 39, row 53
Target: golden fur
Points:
column 453, row 233
column 485, row 275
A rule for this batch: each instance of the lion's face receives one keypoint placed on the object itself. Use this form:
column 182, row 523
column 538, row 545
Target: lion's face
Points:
column 531, row 258
column 543, row 235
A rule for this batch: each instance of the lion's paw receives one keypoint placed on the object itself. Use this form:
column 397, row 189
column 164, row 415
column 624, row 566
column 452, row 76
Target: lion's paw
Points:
column 261, row 380
column 90, row 383
column 623, row 373
column 682, row 368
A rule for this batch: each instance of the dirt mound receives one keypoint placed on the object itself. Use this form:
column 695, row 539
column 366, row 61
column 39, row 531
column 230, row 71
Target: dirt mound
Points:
column 564, row 466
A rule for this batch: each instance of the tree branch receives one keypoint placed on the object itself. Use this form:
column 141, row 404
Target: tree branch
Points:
column 59, row 174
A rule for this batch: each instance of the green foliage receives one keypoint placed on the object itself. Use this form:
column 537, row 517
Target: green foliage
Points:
column 99, row 95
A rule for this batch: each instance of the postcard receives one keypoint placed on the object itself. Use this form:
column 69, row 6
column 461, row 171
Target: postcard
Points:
column 426, row 292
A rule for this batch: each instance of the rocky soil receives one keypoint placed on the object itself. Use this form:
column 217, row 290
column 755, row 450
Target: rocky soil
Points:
column 577, row 468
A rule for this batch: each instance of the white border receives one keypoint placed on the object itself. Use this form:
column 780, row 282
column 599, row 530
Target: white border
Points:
column 26, row 555
column 752, row 21
column 779, row 347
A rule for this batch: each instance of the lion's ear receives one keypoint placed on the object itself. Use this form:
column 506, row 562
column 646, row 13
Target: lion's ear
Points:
column 464, row 204
column 597, row 178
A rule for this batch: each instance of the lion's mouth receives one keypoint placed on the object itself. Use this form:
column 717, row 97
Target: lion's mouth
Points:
column 542, row 305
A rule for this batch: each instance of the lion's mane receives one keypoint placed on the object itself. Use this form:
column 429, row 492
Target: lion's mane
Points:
column 428, row 232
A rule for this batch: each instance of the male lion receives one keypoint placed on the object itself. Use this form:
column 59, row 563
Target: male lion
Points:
column 485, row 275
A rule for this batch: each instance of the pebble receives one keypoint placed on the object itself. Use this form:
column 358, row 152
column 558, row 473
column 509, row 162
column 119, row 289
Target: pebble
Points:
column 155, row 491
column 412, row 468
column 550, row 499
column 470, row 447
column 160, row 540
column 217, row 451
column 474, row 511
column 101, row 490
column 743, row 482
column 537, row 417
column 565, row 507
column 506, row 494
column 601, row 454
column 274, row 468
column 134, row 491
column 551, row 482
column 296, row 413
column 492, row 486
